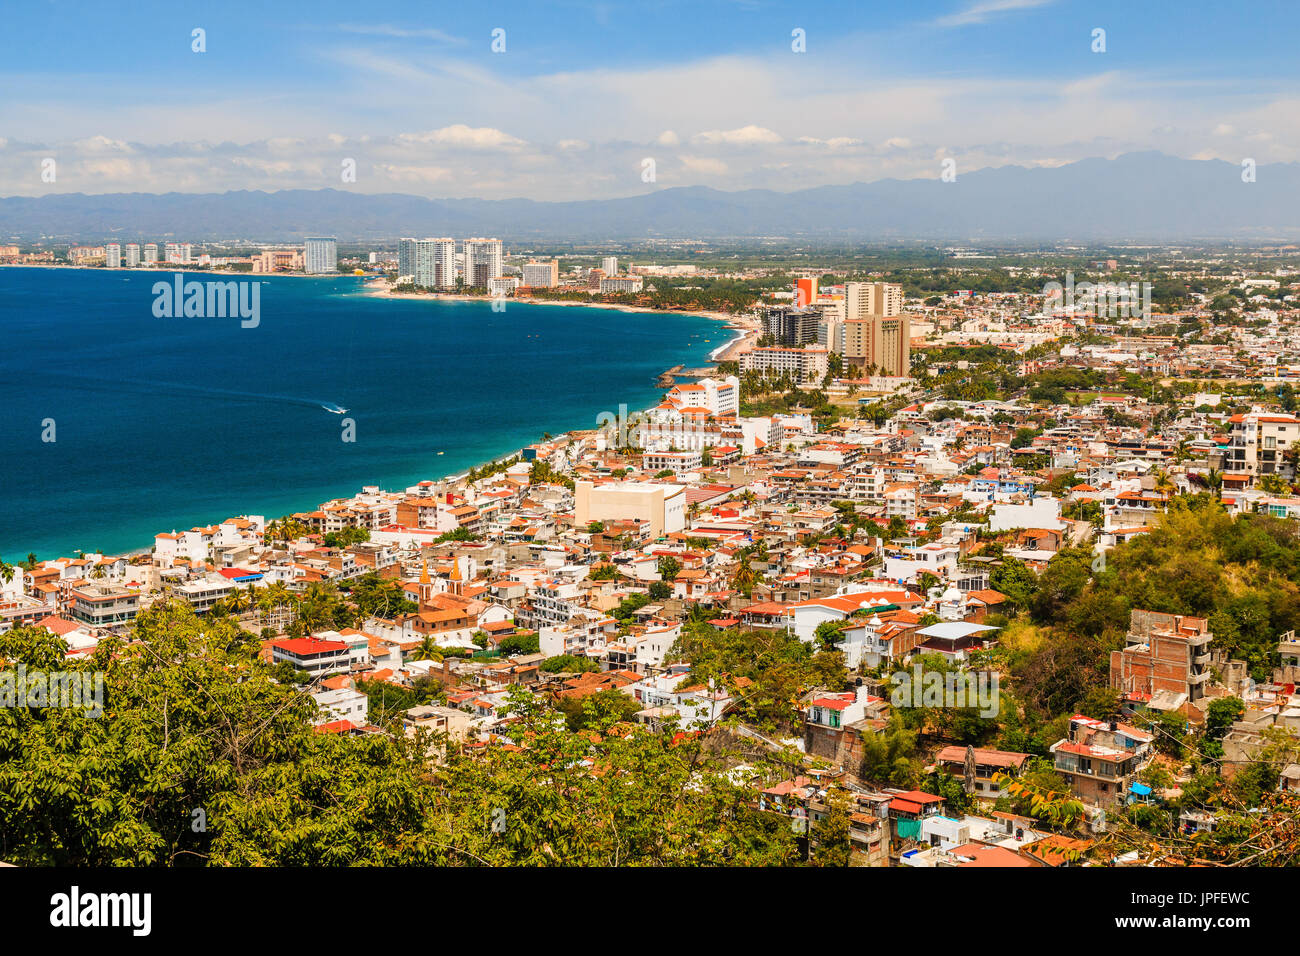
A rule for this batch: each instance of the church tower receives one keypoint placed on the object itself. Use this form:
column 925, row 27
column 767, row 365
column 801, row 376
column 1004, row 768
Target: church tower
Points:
column 426, row 585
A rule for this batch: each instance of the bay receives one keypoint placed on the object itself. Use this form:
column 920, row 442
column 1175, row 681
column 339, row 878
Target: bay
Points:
column 169, row 423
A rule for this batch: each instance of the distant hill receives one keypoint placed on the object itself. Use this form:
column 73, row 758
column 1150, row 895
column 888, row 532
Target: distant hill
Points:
column 1137, row 196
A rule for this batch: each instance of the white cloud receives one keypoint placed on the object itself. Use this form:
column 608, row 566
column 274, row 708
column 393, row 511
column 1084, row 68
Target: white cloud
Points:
column 102, row 144
column 704, row 165
column 776, row 122
column 413, row 174
column 835, row 142
column 980, row 12
column 744, row 136
column 386, row 30
column 465, row 137
column 111, row 169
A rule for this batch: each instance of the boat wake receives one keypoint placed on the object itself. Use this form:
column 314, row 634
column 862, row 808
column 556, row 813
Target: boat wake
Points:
column 181, row 390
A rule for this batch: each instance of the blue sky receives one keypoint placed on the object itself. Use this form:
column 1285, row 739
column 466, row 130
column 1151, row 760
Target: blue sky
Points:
column 413, row 94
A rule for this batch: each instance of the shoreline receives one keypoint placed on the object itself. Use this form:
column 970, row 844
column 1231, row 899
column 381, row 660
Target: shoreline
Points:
column 386, row 292
column 744, row 326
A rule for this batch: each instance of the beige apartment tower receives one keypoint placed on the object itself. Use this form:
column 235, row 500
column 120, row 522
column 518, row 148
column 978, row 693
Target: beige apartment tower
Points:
column 542, row 275
column 876, row 332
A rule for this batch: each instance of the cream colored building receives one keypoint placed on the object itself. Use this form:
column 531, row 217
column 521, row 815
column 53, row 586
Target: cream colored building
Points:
column 662, row 507
column 875, row 330
column 883, row 342
column 863, row 300
column 542, row 275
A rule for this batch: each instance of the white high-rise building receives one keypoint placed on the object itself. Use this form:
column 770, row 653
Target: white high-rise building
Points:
column 609, row 265
column 179, row 252
column 132, row 255
column 484, row 260
column 320, row 256
column 405, row 257
column 151, row 254
column 113, row 255
column 542, row 275
column 434, row 266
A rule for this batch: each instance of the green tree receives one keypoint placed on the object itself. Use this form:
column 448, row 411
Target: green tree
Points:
column 668, row 567
column 832, row 839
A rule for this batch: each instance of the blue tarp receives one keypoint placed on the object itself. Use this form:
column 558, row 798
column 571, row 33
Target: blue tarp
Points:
column 1141, row 789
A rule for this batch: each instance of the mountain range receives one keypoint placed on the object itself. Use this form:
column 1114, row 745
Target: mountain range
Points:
column 1134, row 197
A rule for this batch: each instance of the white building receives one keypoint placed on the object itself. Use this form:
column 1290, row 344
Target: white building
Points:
column 1042, row 512
column 113, row 255
column 678, row 462
column 312, row 655
column 203, row 593
column 872, row 299
column 804, row 365
column 320, row 256
column 342, row 704
column 502, row 285
column 576, row 635
column 484, row 260
column 803, row 617
column 1259, row 444
column 712, row 396
column 432, row 262
column 406, row 256
column 937, row 558
column 695, row 705
column 542, row 275
column 621, row 284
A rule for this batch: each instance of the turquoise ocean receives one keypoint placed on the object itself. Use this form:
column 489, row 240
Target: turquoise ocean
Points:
column 167, row 423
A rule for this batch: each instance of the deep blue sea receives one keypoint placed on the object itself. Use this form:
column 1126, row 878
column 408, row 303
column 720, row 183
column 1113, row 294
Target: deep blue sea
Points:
column 168, row 423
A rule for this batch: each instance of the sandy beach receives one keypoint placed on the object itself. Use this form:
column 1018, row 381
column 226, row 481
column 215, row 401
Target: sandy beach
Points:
column 744, row 321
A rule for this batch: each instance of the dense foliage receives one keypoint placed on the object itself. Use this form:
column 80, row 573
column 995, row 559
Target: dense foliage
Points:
column 201, row 756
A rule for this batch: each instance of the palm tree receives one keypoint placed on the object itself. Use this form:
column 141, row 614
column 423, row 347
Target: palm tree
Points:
column 277, row 604
column 1274, row 484
column 744, row 578
column 1214, row 478
column 429, row 649
column 237, row 601
column 286, row 529
column 1162, row 482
